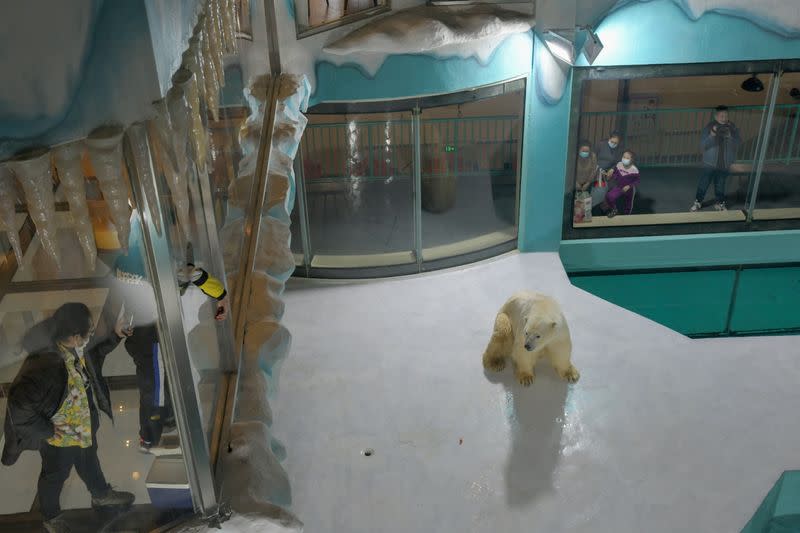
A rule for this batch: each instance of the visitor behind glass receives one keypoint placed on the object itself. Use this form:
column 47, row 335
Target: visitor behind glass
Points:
column 719, row 140
column 608, row 152
column 626, row 178
column 585, row 167
column 53, row 407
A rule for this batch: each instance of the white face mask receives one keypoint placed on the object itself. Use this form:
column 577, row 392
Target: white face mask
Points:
column 626, row 162
column 612, row 145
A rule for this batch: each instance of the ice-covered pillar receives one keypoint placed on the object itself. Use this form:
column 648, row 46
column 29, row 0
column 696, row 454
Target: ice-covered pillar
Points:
column 254, row 478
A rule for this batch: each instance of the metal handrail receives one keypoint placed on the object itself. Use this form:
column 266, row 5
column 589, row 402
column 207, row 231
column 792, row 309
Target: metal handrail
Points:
column 671, row 136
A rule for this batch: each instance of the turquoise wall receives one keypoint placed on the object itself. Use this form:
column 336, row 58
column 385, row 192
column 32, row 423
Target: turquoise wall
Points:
column 709, row 302
column 407, row 75
column 692, row 303
column 681, row 251
column 659, row 32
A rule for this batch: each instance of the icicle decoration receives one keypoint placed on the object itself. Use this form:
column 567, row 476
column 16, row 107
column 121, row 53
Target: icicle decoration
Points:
column 227, row 16
column 185, row 80
column 209, row 74
column 137, row 134
column 33, row 172
column 105, row 151
column 161, row 136
column 70, row 173
column 215, row 47
column 193, row 60
column 8, row 219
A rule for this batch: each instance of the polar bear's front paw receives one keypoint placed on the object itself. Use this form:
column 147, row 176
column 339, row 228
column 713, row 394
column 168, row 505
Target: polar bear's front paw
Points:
column 571, row 375
column 495, row 364
column 525, row 378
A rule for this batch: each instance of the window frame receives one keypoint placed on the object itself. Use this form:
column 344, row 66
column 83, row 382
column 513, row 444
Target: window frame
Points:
column 303, row 32
column 580, row 74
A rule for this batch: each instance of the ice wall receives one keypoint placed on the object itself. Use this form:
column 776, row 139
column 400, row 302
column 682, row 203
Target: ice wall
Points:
column 254, row 482
column 779, row 16
column 439, row 31
column 86, row 63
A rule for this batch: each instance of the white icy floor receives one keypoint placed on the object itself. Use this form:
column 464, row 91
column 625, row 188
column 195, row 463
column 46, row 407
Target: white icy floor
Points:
column 662, row 433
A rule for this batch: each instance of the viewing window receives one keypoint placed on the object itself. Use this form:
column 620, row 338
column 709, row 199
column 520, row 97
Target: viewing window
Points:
column 405, row 186
column 685, row 148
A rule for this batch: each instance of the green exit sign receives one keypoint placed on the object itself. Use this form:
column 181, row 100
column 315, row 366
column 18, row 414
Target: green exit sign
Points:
column 449, row 148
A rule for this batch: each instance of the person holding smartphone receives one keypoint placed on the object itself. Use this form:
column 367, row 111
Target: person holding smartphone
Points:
column 53, row 407
column 139, row 308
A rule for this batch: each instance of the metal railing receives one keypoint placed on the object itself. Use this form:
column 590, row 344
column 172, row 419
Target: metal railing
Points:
column 671, row 137
column 377, row 150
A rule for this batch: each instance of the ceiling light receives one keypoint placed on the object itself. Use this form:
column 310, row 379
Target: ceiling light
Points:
column 753, row 84
column 592, row 47
column 561, row 47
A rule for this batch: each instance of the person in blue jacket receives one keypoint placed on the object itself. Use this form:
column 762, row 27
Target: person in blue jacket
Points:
column 155, row 405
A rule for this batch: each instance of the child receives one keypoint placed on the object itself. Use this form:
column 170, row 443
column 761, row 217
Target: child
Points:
column 626, row 178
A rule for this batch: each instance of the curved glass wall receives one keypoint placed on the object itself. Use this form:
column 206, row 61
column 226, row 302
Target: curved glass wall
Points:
column 388, row 188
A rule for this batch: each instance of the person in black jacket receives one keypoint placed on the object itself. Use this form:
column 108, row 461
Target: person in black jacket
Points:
column 53, row 407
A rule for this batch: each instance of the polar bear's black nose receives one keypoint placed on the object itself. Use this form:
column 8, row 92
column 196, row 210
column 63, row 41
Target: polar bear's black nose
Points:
column 529, row 346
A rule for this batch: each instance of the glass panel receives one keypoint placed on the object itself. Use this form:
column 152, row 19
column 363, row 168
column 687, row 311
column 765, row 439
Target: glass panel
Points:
column 470, row 155
column 46, row 315
column 779, row 186
column 194, row 258
column 358, row 173
column 665, row 125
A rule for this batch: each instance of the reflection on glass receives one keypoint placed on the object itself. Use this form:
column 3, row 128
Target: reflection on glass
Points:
column 358, row 172
column 64, row 329
column 693, row 140
column 779, row 186
column 469, row 155
column 316, row 13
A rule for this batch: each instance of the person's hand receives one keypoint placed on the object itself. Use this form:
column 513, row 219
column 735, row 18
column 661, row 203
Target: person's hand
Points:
column 122, row 329
column 222, row 309
column 714, row 130
column 626, row 188
column 609, row 172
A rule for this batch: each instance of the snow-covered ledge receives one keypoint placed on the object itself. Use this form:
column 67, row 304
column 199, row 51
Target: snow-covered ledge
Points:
column 473, row 31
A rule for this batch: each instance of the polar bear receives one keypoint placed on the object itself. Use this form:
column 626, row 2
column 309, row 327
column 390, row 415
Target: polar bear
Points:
column 530, row 325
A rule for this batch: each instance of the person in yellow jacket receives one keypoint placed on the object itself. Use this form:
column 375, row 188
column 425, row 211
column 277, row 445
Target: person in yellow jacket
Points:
column 155, row 406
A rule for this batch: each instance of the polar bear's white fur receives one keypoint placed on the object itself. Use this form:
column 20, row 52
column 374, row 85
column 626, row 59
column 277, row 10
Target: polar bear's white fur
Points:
column 529, row 326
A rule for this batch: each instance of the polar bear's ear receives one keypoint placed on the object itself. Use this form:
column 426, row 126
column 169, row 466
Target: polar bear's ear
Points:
column 553, row 325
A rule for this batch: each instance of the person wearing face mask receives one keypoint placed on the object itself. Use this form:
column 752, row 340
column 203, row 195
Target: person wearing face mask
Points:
column 585, row 167
column 608, row 152
column 53, row 406
column 719, row 140
column 626, row 178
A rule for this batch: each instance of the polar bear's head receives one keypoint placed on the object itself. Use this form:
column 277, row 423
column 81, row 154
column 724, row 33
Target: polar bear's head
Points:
column 538, row 331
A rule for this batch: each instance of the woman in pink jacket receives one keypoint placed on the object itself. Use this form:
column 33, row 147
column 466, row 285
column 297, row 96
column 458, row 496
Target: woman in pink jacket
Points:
column 625, row 179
